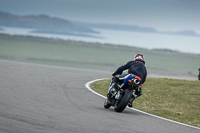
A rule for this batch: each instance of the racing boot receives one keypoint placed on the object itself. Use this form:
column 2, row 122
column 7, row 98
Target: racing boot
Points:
column 139, row 92
column 134, row 96
column 112, row 92
column 112, row 89
column 130, row 103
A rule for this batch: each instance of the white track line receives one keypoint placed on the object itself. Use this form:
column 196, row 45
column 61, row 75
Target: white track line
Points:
column 87, row 85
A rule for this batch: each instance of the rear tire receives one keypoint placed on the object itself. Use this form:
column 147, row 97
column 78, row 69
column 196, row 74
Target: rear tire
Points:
column 121, row 105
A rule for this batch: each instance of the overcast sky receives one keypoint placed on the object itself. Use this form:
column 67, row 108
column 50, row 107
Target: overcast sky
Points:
column 163, row 15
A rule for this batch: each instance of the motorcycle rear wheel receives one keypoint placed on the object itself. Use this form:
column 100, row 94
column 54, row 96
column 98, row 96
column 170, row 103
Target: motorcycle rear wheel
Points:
column 122, row 103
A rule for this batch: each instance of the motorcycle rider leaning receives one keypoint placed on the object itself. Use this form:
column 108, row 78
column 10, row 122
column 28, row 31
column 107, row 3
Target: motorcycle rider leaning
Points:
column 136, row 67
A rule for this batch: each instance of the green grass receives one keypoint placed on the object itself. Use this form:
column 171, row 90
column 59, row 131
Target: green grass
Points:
column 94, row 55
column 178, row 100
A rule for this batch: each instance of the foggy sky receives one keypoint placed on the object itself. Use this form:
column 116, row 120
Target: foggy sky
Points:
column 163, row 15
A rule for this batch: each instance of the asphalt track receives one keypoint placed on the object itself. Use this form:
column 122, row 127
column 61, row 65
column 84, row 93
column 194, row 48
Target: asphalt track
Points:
column 51, row 99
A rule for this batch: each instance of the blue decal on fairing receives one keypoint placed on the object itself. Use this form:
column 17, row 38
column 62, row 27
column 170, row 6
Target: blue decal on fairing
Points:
column 128, row 78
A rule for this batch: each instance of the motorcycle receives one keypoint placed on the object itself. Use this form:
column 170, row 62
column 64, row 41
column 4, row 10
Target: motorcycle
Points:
column 127, row 86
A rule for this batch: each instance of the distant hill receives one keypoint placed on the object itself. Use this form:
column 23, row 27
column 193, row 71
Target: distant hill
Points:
column 44, row 24
column 47, row 24
column 135, row 28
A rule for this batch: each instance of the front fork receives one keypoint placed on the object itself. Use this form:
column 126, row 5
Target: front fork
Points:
column 118, row 95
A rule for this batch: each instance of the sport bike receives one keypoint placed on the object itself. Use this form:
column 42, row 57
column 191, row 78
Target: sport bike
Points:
column 126, row 87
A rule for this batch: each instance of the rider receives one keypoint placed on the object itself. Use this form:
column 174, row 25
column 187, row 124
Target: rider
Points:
column 136, row 67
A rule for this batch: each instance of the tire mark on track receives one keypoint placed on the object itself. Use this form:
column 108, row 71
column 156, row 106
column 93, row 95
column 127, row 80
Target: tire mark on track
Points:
column 66, row 91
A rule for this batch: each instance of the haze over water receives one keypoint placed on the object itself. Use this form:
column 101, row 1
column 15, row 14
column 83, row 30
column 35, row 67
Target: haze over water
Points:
column 143, row 40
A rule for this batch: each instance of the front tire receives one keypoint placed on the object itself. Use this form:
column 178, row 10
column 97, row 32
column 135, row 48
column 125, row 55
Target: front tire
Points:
column 106, row 104
column 121, row 105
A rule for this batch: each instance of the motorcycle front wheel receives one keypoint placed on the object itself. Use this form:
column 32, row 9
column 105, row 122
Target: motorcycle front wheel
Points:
column 106, row 104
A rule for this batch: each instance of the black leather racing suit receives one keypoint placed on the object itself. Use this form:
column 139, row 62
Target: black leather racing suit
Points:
column 134, row 67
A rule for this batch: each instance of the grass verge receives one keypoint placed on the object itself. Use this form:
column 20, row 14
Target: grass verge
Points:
column 177, row 100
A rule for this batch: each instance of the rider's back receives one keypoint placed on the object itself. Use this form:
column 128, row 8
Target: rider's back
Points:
column 139, row 69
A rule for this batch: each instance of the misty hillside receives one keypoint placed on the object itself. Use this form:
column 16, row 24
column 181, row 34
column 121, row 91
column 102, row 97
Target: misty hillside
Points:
column 135, row 28
column 43, row 24
column 47, row 24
